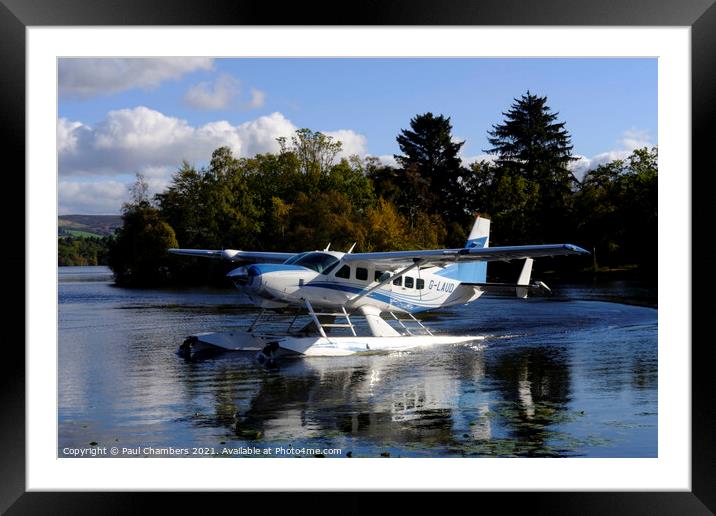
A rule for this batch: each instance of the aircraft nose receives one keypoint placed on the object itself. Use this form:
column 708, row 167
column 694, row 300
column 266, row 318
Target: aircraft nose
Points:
column 248, row 278
column 240, row 276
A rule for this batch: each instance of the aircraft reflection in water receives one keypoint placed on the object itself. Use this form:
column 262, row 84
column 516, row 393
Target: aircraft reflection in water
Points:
column 467, row 405
column 571, row 377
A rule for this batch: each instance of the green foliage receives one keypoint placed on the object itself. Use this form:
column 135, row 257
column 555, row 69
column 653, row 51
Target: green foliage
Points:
column 78, row 233
column 327, row 217
column 388, row 228
column 530, row 138
column 509, row 198
column 81, row 250
column 617, row 210
column 182, row 205
column 137, row 255
column 349, row 177
column 432, row 171
column 315, row 154
column 304, row 197
column 533, row 153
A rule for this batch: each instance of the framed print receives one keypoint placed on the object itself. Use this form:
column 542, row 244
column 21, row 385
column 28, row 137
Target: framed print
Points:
column 205, row 104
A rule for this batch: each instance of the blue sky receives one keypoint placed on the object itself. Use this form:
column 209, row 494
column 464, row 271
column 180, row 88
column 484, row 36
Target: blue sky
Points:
column 121, row 116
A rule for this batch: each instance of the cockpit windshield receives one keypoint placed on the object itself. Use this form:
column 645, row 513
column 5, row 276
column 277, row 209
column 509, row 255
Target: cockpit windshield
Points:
column 319, row 262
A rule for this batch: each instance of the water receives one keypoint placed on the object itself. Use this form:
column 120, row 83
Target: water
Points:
column 565, row 376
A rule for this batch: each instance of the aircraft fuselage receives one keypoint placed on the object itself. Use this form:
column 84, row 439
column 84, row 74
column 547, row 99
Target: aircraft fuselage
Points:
column 339, row 284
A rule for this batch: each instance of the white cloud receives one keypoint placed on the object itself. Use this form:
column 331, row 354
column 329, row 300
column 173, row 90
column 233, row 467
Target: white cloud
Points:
column 636, row 139
column 213, row 96
column 631, row 140
column 468, row 160
column 147, row 141
column 258, row 99
column 98, row 198
column 584, row 164
column 581, row 166
column 158, row 178
column 67, row 133
column 352, row 142
column 99, row 195
column 132, row 140
column 388, row 160
column 88, row 77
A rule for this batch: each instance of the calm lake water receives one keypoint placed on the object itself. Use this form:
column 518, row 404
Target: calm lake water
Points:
column 570, row 375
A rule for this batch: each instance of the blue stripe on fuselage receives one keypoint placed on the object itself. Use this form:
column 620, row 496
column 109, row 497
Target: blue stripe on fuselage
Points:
column 390, row 300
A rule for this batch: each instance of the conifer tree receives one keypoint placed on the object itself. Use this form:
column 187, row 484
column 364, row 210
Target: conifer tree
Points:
column 532, row 140
column 532, row 144
column 432, row 169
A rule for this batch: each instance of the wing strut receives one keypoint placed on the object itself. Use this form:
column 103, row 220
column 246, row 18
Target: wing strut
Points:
column 416, row 263
column 314, row 317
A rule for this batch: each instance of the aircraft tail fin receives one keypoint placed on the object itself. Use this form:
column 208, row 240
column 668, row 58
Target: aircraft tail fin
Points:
column 480, row 233
column 472, row 272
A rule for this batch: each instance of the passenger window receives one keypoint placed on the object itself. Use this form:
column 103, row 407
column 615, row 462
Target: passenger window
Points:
column 344, row 272
column 377, row 275
column 408, row 282
column 398, row 281
column 420, row 284
column 361, row 273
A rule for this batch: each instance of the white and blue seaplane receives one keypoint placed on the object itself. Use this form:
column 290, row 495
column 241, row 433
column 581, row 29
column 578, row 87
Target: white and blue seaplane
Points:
column 329, row 286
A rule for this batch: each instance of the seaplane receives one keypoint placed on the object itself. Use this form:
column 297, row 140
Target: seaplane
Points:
column 323, row 287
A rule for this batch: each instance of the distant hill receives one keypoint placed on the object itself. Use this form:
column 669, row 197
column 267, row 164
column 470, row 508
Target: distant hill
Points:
column 88, row 225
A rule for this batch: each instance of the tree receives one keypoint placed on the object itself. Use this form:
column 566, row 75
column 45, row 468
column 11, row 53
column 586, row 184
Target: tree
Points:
column 315, row 152
column 387, row 227
column 230, row 210
column 616, row 207
column 215, row 207
column 182, row 206
column 507, row 198
column 138, row 255
column 432, row 172
column 323, row 218
column 531, row 139
column 388, row 230
column 274, row 175
column 532, row 144
column 385, row 179
column 139, row 191
column 349, row 178
column 82, row 250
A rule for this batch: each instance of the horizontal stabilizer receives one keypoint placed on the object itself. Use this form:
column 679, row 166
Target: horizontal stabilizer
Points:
column 491, row 286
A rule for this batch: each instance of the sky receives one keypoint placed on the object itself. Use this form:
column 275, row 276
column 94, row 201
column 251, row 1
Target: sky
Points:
column 119, row 117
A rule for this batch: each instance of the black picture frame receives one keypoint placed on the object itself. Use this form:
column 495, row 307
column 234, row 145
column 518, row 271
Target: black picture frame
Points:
column 700, row 15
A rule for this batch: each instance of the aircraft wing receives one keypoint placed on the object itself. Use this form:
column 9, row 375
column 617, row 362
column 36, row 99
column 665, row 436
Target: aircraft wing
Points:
column 445, row 256
column 234, row 255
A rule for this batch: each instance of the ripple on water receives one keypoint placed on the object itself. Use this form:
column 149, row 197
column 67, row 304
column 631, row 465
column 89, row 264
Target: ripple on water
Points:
column 556, row 377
